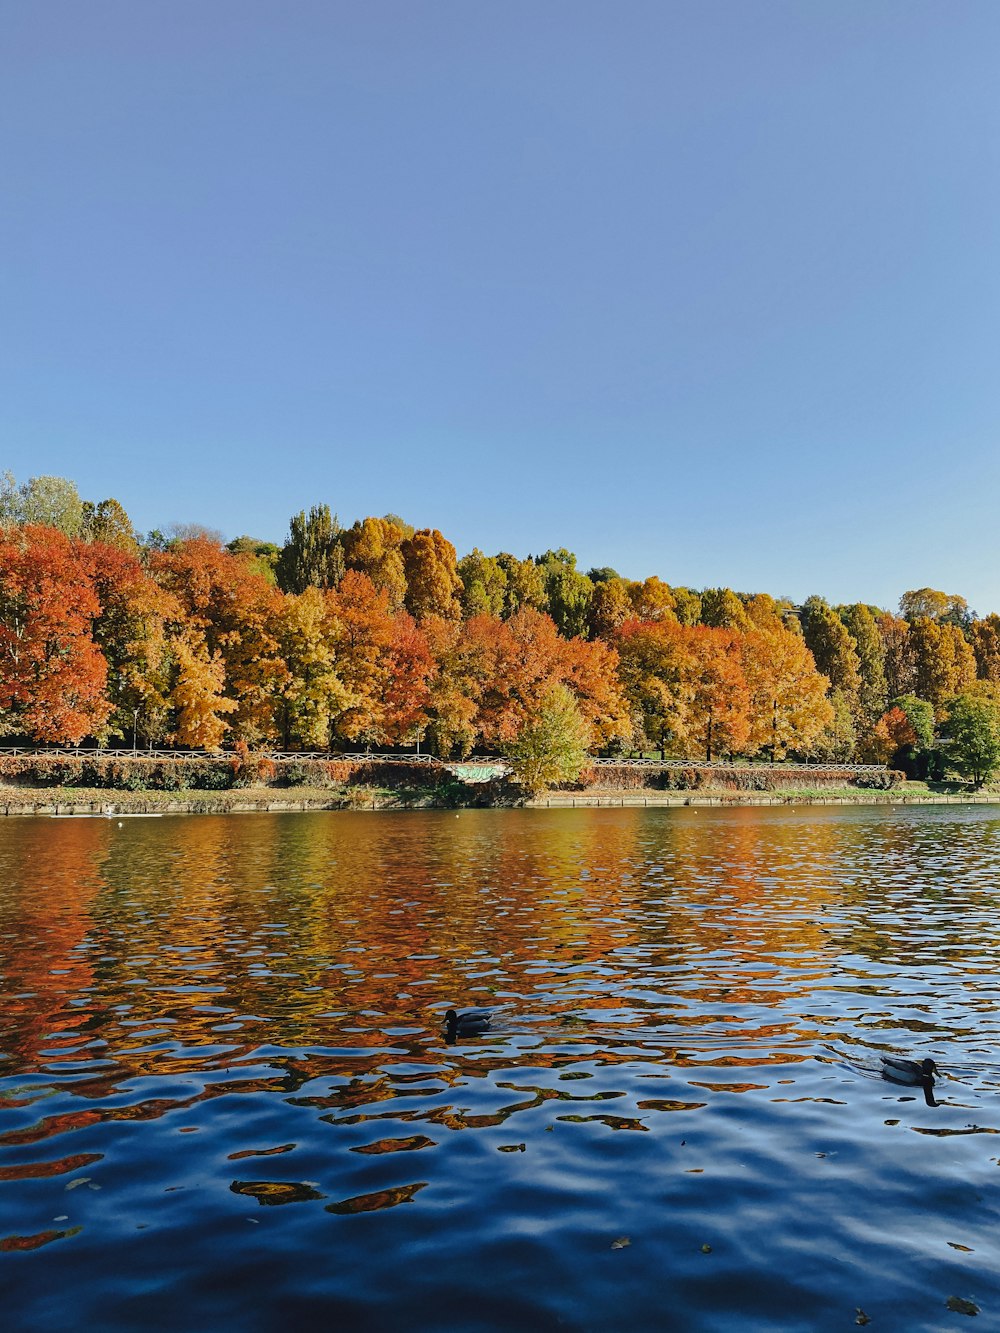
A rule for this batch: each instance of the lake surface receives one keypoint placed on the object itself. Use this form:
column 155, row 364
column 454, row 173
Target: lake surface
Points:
column 226, row 1101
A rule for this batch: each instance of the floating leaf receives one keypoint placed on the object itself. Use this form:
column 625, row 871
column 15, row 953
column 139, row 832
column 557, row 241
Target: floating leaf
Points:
column 961, row 1306
column 860, row 1317
column 512, row 1147
column 706, row 1249
column 20, row 1243
column 621, row 1242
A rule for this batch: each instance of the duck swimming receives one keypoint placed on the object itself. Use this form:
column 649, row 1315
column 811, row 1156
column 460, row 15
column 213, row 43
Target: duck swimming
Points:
column 897, row 1069
column 466, row 1022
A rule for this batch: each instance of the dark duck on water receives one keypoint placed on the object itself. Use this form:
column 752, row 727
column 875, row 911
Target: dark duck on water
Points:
column 466, row 1022
column 915, row 1073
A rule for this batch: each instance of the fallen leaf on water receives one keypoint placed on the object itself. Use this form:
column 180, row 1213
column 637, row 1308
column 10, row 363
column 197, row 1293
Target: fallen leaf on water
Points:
column 706, row 1249
column 512, row 1147
column 961, row 1306
column 955, row 1246
column 860, row 1317
column 620, row 1243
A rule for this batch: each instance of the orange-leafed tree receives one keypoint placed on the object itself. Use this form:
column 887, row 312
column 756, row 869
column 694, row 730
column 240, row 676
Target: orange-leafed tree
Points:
column 656, row 666
column 590, row 671
column 891, row 733
column 373, row 546
column 718, row 719
column 788, row 709
column 383, row 662
column 984, row 636
column 238, row 613
column 461, row 662
column 432, row 582
column 53, row 676
column 652, row 599
column 135, row 628
column 610, row 607
column 944, row 664
column 198, row 697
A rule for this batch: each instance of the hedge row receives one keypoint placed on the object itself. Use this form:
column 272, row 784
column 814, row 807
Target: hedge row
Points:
column 244, row 770
column 628, row 777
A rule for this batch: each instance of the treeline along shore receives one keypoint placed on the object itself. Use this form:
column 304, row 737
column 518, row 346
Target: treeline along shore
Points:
column 378, row 635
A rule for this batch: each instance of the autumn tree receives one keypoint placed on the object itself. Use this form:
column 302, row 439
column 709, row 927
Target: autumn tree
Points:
column 833, row 650
column 590, row 672
column 788, row 708
column 655, row 668
column 870, row 648
column 373, row 547
column 892, row 733
column 197, row 694
column 897, row 659
column 432, row 582
column 237, row 614
column 463, row 655
column 930, row 604
column 53, row 675
column 383, row 664
column 984, row 637
column 312, row 557
column 652, row 599
column 943, row 661
column 610, row 607
column 136, row 628
column 314, row 696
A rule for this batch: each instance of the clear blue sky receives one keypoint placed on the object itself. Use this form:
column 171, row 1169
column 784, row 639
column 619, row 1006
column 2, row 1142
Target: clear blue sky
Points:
column 706, row 289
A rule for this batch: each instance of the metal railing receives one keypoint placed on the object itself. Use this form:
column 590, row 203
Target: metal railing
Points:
column 385, row 757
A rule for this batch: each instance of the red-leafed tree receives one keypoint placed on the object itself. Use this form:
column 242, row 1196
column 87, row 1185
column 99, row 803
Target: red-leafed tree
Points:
column 52, row 674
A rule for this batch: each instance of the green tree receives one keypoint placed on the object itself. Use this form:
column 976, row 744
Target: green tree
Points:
column 525, row 585
column 721, row 608
column 312, row 557
column 551, row 746
column 484, row 584
column 973, row 728
column 917, row 757
column 687, row 606
column 108, row 522
column 50, row 502
column 569, row 592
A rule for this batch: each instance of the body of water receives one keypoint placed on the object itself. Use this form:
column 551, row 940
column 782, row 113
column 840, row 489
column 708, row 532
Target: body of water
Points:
column 227, row 1101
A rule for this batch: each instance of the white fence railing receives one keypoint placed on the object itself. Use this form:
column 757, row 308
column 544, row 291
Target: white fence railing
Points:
column 382, row 757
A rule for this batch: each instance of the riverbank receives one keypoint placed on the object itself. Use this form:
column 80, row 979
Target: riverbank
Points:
column 77, row 801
